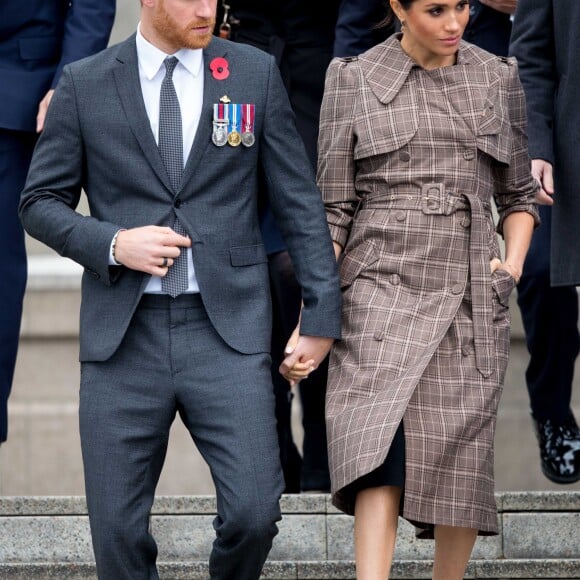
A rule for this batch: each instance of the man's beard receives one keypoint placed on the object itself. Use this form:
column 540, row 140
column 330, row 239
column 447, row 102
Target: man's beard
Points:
column 179, row 35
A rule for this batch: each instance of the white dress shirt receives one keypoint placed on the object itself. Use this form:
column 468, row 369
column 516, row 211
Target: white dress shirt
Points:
column 188, row 82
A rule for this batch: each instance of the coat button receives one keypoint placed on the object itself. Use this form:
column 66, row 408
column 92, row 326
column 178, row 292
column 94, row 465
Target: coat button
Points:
column 400, row 216
column 467, row 349
column 457, row 288
column 468, row 154
column 395, row 279
column 466, row 222
column 404, row 156
column 177, row 202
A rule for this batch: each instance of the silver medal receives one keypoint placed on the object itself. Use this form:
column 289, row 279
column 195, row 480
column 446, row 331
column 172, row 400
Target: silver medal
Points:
column 248, row 138
column 220, row 134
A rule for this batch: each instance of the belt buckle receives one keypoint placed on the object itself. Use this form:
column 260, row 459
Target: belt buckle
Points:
column 433, row 198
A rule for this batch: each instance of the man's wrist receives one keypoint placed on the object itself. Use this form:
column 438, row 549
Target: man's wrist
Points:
column 113, row 255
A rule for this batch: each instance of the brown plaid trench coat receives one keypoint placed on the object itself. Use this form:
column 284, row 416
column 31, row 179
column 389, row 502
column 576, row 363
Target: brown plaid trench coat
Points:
column 409, row 161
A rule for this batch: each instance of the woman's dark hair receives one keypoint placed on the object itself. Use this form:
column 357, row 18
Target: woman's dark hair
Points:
column 390, row 17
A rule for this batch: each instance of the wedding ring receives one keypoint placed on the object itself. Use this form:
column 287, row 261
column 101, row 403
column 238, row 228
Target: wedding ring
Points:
column 164, row 265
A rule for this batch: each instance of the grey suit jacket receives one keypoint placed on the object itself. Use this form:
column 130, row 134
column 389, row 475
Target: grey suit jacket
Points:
column 546, row 42
column 98, row 138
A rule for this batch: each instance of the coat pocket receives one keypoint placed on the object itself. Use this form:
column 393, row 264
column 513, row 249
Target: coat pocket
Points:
column 503, row 283
column 355, row 261
column 248, row 255
column 39, row 48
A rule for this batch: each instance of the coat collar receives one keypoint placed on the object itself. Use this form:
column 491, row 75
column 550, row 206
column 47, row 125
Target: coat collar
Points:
column 386, row 66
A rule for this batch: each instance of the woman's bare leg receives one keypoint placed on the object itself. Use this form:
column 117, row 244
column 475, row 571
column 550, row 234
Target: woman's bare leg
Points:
column 375, row 531
column 453, row 548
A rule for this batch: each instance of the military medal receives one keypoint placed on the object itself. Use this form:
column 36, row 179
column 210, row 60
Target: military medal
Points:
column 248, row 137
column 220, row 125
column 234, row 137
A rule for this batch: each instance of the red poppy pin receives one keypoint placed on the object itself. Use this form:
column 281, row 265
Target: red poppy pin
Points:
column 219, row 68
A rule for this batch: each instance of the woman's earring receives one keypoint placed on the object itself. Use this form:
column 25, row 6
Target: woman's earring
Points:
column 403, row 25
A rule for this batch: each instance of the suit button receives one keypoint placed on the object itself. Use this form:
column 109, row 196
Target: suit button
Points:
column 466, row 222
column 468, row 154
column 400, row 216
column 404, row 156
column 395, row 279
column 457, row 288
column 177, row 202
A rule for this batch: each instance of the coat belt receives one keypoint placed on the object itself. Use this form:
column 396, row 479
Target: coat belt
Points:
column 435, row 200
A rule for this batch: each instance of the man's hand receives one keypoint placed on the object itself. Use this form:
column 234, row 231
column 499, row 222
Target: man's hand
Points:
column 303, row 355
column 542, row 171
column 42, row 108
column 505, row 6
column 150, row 249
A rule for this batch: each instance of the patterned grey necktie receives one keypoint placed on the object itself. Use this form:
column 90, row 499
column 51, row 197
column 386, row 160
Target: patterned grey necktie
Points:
column 170, row 145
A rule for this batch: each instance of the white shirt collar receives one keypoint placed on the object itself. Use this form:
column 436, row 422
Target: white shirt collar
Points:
column 151, row 58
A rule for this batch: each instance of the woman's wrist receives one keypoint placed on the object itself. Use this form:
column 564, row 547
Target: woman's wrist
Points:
column 514, row 271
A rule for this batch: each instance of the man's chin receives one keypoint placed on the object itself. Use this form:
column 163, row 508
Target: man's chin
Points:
column 194, row 41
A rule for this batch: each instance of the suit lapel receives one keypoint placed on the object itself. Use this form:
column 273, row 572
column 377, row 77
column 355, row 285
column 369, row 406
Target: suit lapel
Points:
column 213, row 90
column 129, row 88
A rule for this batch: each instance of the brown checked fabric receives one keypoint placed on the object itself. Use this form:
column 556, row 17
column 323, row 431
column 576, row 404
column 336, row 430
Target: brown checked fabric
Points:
column 409, row 161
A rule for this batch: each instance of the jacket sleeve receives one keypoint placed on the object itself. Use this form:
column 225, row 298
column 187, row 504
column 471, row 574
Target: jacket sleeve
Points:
column 87, row 29
column 297, row 208
column 515, row 187
column 356, row 29
column 336, row 166
column 53, row 188
column 532, row 43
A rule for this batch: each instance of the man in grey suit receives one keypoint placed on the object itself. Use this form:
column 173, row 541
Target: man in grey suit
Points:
column 175, row 315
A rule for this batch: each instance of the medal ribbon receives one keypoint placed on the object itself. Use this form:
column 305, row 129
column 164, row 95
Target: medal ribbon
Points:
column 248, row 113
column 235, row 118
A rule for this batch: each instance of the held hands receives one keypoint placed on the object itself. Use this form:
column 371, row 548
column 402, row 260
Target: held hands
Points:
column 542, row 171
column 513, row 271
column 149, row 249
column 303, row 355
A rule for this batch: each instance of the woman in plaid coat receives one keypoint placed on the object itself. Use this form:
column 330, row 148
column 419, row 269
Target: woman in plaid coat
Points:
column 417, row 136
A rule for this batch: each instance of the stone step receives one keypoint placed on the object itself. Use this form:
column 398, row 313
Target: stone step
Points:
column 48, row 537
column 337, row 570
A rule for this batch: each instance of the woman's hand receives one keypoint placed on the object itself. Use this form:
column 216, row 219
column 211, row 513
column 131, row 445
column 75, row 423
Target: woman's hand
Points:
column 511, row 269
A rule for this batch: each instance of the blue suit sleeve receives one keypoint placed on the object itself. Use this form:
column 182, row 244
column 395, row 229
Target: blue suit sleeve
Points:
column 532, row 43
column 356, row 27
column 86, row 31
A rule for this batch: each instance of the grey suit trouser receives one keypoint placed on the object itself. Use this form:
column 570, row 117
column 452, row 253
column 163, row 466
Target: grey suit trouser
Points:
column 173, row 361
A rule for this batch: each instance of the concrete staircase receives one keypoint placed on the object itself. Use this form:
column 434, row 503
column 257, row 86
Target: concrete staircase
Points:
column 48, row 537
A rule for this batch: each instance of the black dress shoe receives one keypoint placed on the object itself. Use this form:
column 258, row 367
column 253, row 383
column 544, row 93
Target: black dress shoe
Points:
column 559, row 449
